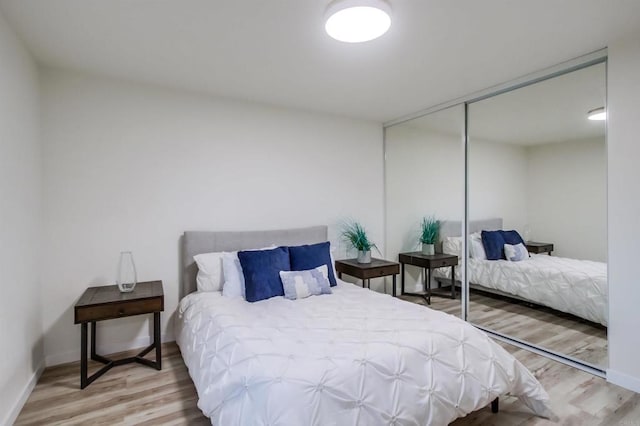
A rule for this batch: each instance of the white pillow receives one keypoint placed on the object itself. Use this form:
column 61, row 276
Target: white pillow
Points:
column 233, row 276
column 516, row 253
column 210, row 277
column 476, row 248
column 301, row 284
column 452, row 245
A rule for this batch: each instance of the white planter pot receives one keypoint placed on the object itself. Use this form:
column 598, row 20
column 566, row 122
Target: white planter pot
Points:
column 428, row 249
column 364, row 256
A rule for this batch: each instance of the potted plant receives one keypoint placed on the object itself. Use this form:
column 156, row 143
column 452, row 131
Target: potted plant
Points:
column 430, row 228
column 355, row 235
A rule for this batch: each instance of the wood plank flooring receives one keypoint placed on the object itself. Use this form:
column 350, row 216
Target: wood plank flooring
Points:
column 543, row 327
column 137, row 395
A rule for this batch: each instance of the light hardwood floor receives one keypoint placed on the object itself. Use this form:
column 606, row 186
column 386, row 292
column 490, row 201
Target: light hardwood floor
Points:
column 541, row 326
column 134, row 394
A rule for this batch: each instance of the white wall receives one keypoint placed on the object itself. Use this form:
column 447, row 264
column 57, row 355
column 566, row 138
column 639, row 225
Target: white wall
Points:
column 424, row 176
column 624, row 211
column 21, row 353
column 498, row 182
column 567, row 197
column 130, row 167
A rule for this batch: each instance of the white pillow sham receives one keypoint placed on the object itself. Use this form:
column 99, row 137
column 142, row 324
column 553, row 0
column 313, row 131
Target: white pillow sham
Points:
column 452, row 245
column 210, row 276
column 476, row 248
column 233, row 276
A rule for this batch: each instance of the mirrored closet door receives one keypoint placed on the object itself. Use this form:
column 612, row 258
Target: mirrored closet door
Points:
column 424, row 191
column 537, row 227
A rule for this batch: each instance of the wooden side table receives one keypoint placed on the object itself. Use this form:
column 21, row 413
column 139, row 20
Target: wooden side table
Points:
column 538, row 248
column 365, row 271
column 104, row 303
column 428, row 263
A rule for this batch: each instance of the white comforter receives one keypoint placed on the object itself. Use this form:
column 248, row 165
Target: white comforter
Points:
column 578, row 287
column 354, row 357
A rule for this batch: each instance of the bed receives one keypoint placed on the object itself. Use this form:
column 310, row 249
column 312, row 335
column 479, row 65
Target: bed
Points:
column 577, row 287
column 351, row 357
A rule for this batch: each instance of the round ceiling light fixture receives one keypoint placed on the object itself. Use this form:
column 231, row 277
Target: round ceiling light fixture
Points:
column 356, row 21
column 597, row 114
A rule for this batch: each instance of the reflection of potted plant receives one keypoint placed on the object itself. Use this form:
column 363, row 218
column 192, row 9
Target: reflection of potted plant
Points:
column 355, row 235
column 430, row 228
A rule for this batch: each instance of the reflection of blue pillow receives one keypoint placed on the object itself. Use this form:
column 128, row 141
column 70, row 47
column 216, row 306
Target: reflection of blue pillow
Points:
column 516, row 253
column 311, row 256
column 512, row 237
column 301, row 284
column 493, row 243
column 261, row 270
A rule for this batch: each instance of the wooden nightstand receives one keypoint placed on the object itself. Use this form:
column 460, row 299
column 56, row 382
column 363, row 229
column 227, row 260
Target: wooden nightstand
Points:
column 365, row 271
column 103, row 303
column 538, row 248
column 429, row 263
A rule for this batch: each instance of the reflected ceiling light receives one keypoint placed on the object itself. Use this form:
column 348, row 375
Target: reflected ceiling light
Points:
column 355, row 21
column 597, row 114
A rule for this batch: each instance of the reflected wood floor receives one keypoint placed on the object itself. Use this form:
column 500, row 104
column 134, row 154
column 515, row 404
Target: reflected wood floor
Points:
column 137, row 395
column 541, row 326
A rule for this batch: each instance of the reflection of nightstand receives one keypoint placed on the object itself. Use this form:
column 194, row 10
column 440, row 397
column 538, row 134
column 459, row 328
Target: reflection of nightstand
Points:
column 538, row 248
column 365, row 271
column 428, row 263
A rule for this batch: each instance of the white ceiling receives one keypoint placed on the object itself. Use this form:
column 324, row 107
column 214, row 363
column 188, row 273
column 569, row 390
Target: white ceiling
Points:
column 277, row 52
column 550, row 111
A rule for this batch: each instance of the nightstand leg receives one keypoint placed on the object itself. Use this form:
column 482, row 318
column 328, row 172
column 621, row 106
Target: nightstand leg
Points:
column 427, row 284
column 453, row 282
column 393, row 290
column 156, row 339
column 83, row 355
column 402, row 280
column 93, row 340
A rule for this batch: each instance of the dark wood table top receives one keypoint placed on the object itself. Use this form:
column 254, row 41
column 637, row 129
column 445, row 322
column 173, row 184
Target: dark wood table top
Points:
column 375, row 263
column 94, row 296
column 428, row 260
column 537, row 244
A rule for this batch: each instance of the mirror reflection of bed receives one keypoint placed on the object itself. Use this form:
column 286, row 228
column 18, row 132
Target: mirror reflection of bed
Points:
column 554, row 302
column 538, row 164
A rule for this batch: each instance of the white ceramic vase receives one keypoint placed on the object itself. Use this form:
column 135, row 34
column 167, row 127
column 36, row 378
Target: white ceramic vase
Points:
column 428, row 249
column 364, row 256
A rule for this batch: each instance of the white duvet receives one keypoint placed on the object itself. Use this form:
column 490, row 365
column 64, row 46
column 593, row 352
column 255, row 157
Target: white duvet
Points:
column 578, row 287
column 354, row 357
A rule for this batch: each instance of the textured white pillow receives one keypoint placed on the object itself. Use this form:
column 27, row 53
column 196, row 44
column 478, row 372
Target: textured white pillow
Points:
column 233, row 276
column 210, row 277
column 516, row 253
column 476, row 248
column 452, row 245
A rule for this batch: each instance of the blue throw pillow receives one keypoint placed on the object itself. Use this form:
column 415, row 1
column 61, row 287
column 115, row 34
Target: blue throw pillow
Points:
column 311, row 256
column 261, row 270
column 512, row 237
column 493, row 243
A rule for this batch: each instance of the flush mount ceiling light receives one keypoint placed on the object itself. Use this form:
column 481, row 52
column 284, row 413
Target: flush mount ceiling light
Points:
column 597, row 114
column 356, row 21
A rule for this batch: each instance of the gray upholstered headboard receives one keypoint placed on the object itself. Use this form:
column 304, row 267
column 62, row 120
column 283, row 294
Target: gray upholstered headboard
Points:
column 454, row 228
column 197, row 242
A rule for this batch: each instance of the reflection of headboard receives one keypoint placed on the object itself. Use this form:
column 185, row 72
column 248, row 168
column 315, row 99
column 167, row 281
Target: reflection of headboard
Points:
column 454, row 228
column 197, row 242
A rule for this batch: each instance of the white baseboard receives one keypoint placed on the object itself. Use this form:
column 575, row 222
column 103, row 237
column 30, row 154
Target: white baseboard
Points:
column 24, row 395
column 624, row 380
column 105, row 349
